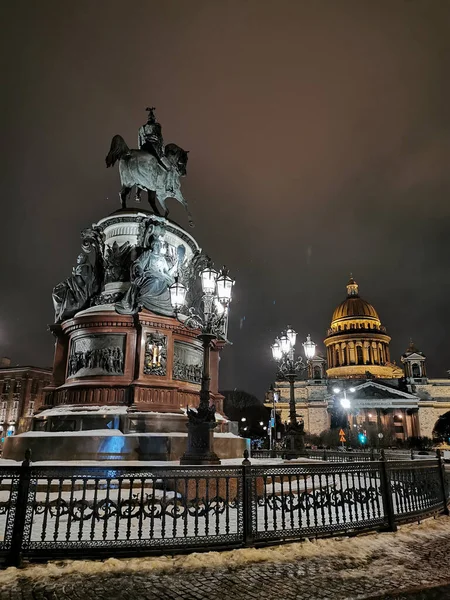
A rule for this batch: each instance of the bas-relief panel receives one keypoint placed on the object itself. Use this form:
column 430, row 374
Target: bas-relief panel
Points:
column 98, row 354
column 187, row 362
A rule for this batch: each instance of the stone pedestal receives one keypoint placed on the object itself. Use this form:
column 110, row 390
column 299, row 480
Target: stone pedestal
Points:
column 200, row 437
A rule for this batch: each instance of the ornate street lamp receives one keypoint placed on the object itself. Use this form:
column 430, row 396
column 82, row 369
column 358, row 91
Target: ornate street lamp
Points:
column 289, row 368
column 344, row 400
column 212, row 325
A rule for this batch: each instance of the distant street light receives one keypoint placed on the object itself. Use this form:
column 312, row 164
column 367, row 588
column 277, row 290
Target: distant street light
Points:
column 289, row 368
column 344, row 401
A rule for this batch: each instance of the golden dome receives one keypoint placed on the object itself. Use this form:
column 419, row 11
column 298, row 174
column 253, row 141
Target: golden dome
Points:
column 353, row 306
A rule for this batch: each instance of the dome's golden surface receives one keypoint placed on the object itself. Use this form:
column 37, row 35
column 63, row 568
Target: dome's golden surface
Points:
column 354, row 307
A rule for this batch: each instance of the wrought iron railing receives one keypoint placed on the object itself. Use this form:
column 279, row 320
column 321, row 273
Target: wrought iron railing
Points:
column 70, row 511
column 329, row 455
column 342, row 456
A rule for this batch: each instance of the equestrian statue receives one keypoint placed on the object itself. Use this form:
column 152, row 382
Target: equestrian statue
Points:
column 155, row 168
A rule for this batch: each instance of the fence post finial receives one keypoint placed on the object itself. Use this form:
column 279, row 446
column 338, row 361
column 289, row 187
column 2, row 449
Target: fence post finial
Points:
column 27, row 461
column 246, row 460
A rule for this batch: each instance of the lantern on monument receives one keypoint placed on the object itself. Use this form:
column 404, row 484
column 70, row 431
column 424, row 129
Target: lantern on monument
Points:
column 224, row 285
column 285, row 344
column 177, row 294
column 276, row 350
column 208, row 278
column 292, row 336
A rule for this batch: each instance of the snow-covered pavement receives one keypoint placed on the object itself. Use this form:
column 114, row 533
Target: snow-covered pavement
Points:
column 368, row 566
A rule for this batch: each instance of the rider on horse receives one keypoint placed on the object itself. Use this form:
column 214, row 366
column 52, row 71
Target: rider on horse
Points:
column 151, row 140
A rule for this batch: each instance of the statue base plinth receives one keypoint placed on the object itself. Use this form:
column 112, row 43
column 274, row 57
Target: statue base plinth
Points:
column 200, row 443
column 295, row 442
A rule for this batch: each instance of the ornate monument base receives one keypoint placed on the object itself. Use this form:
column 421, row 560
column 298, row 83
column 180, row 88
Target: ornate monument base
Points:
column 124, row 374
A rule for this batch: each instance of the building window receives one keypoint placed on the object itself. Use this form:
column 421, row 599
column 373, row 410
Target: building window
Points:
column 30, row 408
column 415, row 370
column 17, row 385
column 7, row 385
column 317, row 373
column 34, row 386
column 15, row 410
column 3, row 412
column 359, row 355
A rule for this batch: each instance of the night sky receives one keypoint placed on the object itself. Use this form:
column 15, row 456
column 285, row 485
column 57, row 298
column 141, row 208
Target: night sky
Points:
column 319, row 138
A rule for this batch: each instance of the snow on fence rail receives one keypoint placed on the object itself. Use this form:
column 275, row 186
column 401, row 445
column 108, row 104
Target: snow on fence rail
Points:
column 74, row 511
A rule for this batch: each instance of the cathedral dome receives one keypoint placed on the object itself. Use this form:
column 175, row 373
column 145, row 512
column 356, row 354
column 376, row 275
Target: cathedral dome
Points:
column 354, row 307
column 357, row 342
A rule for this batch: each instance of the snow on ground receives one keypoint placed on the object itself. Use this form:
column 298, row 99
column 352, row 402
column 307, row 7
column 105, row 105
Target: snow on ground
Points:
column 393, row 552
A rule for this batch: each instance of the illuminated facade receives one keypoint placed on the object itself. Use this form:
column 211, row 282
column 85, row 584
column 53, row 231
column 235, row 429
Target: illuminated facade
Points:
column 385, row 398
column 22, row 391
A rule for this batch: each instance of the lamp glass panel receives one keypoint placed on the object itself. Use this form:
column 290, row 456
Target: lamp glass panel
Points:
column 177, row 294
column 208, row 278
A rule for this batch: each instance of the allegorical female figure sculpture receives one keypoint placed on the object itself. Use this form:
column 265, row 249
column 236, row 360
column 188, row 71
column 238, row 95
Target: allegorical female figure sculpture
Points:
column 150, row 281
column 75, row 292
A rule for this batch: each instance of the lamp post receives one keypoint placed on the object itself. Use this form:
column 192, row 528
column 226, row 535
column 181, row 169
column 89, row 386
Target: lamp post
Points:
column 289, row 368
column 273, row 420
column 212, row 324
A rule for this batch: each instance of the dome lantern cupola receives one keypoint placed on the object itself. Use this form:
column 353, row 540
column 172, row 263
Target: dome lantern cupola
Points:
column 352, row 288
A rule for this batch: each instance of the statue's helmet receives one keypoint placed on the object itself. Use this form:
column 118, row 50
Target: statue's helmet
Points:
column 151, row 114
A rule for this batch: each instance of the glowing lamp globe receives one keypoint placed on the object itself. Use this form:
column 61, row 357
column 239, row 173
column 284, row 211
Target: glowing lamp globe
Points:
column 309, row 347
column 285, row 344
column 292, row 336
column 276, row 351
column 336, row 390
column 177, row 294
column 208, row 278
column 345, row 403
column 224, row 285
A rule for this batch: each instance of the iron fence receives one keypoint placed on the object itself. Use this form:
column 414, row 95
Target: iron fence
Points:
column 341, row 455
column 325, row 454
column 69, row 511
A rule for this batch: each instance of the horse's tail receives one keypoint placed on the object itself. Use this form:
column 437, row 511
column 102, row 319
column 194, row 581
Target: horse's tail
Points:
column 118, row 150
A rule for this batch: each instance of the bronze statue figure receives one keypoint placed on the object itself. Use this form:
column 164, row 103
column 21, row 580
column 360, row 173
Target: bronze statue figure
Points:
column 151, row 277
column 75, row 293
column 154, row 168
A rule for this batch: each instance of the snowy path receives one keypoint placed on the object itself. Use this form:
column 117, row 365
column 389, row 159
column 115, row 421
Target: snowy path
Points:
column 360, row 568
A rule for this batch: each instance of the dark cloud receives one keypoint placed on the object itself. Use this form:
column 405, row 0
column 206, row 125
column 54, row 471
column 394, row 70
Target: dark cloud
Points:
column 319, row 139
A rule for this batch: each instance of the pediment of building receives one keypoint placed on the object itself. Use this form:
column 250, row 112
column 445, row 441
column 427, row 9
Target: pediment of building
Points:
column 374, row 390
column 414, row 356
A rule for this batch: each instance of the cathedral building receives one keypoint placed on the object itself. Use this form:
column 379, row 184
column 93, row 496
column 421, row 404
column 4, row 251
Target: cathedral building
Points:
column 380, row 395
